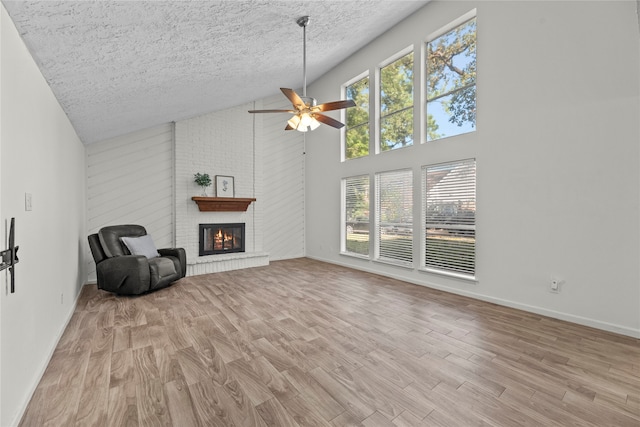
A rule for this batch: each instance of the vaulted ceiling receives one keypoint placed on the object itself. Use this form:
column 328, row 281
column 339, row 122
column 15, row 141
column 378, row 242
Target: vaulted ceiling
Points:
column 121, row 66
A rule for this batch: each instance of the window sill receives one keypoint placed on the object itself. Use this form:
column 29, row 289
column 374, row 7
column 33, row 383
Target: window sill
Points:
column 407, row 265
column 355, row 255
column 460, row 276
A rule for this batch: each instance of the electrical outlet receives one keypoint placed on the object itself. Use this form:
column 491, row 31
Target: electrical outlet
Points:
column 27, row 202
column 554, row 285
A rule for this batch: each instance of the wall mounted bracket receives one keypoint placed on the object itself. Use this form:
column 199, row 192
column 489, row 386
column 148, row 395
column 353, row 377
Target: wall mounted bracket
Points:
column 9, row 257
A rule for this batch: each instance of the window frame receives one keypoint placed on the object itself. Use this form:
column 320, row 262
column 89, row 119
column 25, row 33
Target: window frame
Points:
column 424, row 114
column 344, row 219
column 409, row 252
column 378, row 224
column 425, row 224
column 343, row 117
column 377, row 105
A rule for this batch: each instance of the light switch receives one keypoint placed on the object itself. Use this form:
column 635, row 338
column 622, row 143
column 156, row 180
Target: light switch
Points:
column 27, row 202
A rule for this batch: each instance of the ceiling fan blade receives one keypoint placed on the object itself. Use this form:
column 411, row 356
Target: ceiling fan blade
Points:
column 328, row 120
column 293, row 97
column 336, row 105
column 273, row 111
column 288, row 127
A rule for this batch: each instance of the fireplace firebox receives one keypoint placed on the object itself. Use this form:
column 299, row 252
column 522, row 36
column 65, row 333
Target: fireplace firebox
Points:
column 221, row 238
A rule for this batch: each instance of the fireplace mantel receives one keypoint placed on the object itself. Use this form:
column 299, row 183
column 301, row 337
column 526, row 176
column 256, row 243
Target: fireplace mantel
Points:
column 223, row 204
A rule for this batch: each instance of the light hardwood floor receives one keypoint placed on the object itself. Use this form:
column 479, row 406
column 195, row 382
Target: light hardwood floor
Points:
column 304, row 343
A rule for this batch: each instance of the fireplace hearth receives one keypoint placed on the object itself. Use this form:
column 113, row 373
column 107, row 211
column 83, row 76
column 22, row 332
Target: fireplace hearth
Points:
column 221, row 238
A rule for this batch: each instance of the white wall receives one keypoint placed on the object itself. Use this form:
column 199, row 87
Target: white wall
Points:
column 557, row 157
column 284, row 183
column 130, row 181
column 40, row 154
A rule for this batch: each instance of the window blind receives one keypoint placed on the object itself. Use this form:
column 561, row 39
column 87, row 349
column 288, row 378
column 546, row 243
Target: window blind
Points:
column 450, row 212
column 394, row 216
column 356, row 214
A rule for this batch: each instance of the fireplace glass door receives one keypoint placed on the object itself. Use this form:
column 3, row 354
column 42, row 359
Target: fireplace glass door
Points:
column 221, row 238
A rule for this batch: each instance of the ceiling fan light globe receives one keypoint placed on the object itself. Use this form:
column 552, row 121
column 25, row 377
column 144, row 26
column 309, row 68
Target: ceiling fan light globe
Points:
column 314, row 124
column 294, row 121
column 306, row 120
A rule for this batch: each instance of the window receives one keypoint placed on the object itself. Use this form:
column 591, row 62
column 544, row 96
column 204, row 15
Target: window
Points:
column 394, row 216
column 451, row 82
column 450, row 210
column 357, row 126
column 396, row 104
column 356, row 215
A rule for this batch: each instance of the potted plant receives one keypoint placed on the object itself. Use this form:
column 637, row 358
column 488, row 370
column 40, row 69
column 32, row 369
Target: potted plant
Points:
column 203, row 180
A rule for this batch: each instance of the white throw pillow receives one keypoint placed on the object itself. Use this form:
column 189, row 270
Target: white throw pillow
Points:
column 142, row 245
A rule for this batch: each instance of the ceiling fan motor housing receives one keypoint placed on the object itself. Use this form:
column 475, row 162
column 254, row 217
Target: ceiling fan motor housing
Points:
column 309, row 101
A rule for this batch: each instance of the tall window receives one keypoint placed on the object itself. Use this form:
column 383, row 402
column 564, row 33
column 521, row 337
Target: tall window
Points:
column 394, row 216
column 356, row 215
column 357, row 126
column 450, row 212
column 396, row 104
column 451, row 82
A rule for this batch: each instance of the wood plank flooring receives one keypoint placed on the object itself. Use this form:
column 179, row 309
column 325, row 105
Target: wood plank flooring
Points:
column 304, row 343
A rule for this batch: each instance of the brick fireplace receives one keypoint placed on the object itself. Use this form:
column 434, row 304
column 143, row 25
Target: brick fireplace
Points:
column 222, row 143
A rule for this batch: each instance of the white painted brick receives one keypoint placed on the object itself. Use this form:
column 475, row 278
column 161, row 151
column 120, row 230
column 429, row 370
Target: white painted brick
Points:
column 220, row 143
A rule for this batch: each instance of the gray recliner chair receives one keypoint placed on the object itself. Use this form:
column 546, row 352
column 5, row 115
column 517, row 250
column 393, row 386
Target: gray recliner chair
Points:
column 121, row 271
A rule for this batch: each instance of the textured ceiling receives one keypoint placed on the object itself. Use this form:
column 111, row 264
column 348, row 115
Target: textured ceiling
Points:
column 121, row 66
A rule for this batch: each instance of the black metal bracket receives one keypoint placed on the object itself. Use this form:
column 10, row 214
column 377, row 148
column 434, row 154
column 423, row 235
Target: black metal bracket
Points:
column 9, row 257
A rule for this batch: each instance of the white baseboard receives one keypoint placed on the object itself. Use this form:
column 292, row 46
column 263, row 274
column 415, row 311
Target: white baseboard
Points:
column 584, row 321
column 43, row 368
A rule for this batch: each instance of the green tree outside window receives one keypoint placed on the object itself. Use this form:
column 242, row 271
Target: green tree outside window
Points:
column 357, row 133
column 451, row 82
column 396, row 104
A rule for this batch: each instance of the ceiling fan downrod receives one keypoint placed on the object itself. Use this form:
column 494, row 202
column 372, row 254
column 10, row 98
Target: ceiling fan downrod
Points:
column 302, row 22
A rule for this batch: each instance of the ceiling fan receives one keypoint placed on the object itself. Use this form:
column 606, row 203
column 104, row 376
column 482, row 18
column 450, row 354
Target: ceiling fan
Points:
column 308, row 115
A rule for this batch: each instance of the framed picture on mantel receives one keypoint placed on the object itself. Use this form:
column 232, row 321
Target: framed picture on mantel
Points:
column 224, row 186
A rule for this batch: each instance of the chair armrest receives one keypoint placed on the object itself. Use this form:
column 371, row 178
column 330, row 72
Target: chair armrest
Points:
column 178, row 253
column 125, row 275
